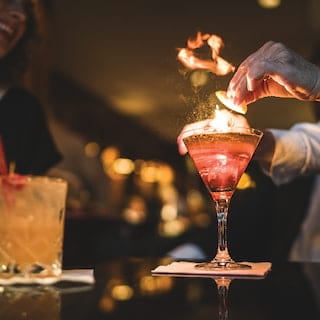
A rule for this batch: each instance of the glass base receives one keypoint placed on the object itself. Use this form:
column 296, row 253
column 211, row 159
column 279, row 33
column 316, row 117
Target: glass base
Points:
column 218, row 265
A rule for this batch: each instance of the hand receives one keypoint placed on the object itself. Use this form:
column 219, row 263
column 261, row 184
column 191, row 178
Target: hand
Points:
column 224, row 118
column 274, row 70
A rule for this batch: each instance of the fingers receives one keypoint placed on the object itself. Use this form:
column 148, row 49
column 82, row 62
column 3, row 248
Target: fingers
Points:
column 241, row 91
column 247, row 85
column 240, row 85
column 187, row 130
column 181, row 146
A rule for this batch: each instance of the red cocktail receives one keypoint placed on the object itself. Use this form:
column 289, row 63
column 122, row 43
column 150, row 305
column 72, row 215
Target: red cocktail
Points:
column 221, row 157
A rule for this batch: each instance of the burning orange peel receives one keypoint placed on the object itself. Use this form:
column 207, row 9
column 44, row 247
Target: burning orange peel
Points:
column 222, row 96
column 216, row 65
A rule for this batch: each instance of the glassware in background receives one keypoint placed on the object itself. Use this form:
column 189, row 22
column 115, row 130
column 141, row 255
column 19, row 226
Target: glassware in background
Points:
column 32, row 212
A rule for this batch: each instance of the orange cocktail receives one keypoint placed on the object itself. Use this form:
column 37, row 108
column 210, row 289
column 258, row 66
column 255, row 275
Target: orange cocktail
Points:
column 32, row 211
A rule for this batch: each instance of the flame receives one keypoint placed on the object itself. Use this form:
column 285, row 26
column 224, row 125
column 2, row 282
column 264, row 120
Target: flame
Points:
column 216, row 64
column 222, row 120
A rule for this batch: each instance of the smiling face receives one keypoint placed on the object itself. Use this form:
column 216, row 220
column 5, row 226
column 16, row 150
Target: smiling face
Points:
column 12, row 24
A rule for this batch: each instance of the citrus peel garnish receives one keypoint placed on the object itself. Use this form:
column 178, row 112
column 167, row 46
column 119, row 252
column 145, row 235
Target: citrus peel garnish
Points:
column 14, row 180
column 222, row 96
column 9, row 184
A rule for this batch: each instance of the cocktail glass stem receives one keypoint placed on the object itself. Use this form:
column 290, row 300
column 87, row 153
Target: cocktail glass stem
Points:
column 222, row 256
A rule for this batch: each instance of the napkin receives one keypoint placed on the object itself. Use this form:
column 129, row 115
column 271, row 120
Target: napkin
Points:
column 184, row 268
column 73, row 275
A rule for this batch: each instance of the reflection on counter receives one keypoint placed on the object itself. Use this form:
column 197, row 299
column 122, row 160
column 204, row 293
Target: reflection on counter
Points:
column 125, row 288
column 29, row 303
column 128, row 288
column 119, row 288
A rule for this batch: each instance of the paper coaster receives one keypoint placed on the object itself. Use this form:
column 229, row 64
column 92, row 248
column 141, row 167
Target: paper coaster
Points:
column 74, row 275
column 258, row 269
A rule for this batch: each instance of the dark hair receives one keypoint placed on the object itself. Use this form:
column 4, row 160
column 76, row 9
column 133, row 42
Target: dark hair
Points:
column 14, row 65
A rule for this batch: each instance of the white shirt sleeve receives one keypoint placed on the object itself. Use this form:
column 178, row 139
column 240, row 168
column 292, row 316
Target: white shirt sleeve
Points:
column 297, row 152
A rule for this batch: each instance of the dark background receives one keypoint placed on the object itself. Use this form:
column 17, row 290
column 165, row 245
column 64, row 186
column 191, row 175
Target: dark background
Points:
column 108, row 75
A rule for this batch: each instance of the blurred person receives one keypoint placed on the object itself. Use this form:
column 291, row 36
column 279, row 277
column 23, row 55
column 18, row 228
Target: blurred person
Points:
column 290, row 157
column 27, row 141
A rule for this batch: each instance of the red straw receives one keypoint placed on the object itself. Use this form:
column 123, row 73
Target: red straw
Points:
column 3, row 162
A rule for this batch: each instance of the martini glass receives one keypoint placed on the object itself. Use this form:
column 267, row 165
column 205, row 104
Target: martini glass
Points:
column 221, row 156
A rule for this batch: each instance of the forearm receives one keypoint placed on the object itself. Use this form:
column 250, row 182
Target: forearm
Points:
column 286, row 154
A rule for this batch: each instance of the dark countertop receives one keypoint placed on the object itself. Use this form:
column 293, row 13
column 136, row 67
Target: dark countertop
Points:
column 125, row 289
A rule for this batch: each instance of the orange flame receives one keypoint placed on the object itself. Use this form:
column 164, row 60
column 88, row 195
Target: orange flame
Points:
column 216, row 65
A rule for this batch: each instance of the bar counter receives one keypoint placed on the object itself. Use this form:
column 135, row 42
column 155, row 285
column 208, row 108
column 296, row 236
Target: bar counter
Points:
column 125, row 289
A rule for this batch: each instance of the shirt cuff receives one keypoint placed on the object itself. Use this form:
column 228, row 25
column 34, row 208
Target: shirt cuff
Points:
column 289, row 157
